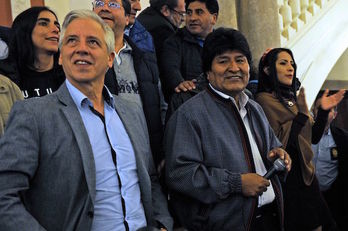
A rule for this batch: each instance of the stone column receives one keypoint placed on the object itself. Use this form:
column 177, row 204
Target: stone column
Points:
column 17, row 6
column 37, row 2
column 227, row 14
column 5, row 13
column 259, row 22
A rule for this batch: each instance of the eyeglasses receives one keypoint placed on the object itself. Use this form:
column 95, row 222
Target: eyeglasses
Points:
column 111, row 5
column 182, row 14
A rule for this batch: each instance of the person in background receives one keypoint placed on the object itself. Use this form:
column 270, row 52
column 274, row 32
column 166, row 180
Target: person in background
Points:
column 218, row 146
column 9, row 93
column 134, row 74
column 79, row 159
column 137, row 32
column 3, row 49
column 33, row 53
column 329, row 165
column 162, row 19
column 182, row 62
column 5, row 33
column 289, row 117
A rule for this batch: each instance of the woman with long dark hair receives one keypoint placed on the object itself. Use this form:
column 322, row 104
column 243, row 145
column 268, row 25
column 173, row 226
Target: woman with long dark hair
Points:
column 290, row 119
column 33, row 53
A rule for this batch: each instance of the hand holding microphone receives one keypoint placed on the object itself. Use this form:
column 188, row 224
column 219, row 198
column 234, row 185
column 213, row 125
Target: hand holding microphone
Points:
column 278, row 166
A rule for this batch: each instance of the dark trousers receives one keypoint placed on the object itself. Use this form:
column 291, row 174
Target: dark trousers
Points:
column 333, row 200
column 266, row 218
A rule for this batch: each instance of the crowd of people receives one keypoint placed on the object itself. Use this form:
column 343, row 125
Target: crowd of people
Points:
column 85, row 143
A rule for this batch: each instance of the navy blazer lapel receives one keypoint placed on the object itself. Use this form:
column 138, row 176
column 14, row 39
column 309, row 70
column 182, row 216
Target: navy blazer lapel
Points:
column 74, row 119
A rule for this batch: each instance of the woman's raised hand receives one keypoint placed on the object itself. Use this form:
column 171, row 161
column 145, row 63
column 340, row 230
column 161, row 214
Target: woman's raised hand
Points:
column 328, row 102
column 301, row 102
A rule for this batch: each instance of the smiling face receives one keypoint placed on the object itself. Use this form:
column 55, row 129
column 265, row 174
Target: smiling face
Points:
column 114, row 17
column 84, row 54
column 199, row 21
column 229, row 73
column 285, row 68
column 45, row 35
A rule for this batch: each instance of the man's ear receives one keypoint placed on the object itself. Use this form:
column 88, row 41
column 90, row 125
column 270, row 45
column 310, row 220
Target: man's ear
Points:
column 165, row 11
column 207, row 75
column 60, row 59
column 266, row 70
column 111, row 59
column 127, row 20
column 214, row 18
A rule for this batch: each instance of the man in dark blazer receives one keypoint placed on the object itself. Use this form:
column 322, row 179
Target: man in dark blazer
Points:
column 61, row 167
column 162, row 19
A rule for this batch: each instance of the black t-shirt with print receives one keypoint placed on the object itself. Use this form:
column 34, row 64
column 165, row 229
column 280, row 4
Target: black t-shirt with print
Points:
column 37, row 84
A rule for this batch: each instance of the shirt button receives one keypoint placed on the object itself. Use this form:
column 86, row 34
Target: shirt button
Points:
column 90, row 214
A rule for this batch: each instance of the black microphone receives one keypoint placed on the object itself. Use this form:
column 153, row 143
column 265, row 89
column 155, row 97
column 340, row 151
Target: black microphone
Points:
column 278, row 166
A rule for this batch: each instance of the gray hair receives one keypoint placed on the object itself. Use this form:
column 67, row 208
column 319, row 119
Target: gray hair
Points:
column 88, row 14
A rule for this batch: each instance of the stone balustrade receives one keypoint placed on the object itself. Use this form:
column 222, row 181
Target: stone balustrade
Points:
column 294, row 15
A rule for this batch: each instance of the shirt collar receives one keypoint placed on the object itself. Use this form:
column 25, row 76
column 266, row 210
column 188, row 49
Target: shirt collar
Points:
column 126, row 47
column 80, row 99
column 243, row 98
column 200, row 41
column 128, row 29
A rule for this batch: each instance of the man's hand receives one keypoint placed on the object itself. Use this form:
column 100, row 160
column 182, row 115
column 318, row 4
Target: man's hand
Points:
column 253, row 184
column 187, row 85
column 301, row 102
column 328, row 102
column 282, row 154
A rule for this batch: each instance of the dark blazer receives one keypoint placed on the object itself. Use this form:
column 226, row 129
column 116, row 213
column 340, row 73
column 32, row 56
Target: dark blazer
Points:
column 159, row 27
column 340, row 136
column 181, row 60
column 141, row 37
column 47, row 169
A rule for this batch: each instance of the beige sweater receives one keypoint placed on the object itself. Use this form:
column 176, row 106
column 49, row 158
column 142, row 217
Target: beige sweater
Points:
column 9, row 93
column 281, row 119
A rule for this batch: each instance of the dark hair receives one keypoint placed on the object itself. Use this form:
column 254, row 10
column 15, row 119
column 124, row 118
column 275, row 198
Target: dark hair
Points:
column 126, row 6
column 21, row 46
column 157, row 4
column 269, row 82
column 212, row 5
column 222, row 40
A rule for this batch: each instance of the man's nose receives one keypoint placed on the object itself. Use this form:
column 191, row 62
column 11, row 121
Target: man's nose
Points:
column 105, row 6
column 82, row 48
column 193, row 16
column 234, row 67
column 137, row 6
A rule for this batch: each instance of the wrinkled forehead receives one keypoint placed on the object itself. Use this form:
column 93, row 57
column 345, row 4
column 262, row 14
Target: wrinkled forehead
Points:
column 84, row 27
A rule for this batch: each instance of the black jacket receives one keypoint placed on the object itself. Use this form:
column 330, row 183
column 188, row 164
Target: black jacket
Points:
column 340, row 136
column 181, row 60
column 147, row 75
column 179, row 98
column 159, row 27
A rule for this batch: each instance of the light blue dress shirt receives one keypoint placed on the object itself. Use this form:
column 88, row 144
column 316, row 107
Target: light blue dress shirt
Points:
column 108, row 214
column 326, row 169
